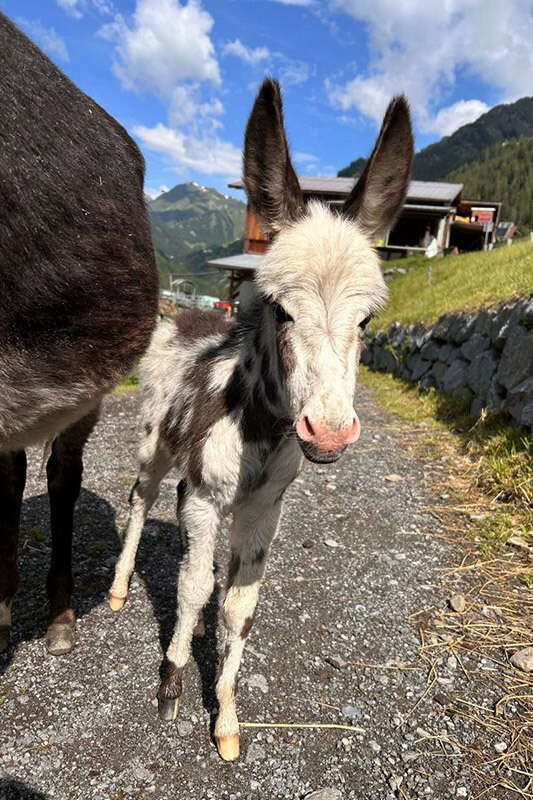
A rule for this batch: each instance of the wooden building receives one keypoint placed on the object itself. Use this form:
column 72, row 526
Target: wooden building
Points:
column 434, row 213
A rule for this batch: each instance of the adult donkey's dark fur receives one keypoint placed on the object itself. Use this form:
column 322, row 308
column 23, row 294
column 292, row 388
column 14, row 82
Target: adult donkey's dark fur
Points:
column 78, row 293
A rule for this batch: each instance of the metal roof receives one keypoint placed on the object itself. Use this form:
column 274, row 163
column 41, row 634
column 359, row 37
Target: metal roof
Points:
column 244, row 262
column 438, row 191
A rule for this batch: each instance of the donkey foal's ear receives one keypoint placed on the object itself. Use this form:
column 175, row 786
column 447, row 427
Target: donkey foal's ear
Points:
column 378, row 196
column 269, row 177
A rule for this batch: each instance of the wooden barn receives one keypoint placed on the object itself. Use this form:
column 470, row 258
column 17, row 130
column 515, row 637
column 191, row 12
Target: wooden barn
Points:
column 434, row 213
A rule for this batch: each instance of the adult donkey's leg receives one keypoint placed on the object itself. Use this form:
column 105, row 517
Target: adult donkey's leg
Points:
column 12, row 480
column 254, row 526
column 64, row 470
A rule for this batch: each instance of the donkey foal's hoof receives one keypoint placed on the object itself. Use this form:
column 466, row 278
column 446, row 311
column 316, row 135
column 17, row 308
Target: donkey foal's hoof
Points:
column 5, row 637
column 60, row 638
column 228, row 746
column 168, row 708
column 116, row 603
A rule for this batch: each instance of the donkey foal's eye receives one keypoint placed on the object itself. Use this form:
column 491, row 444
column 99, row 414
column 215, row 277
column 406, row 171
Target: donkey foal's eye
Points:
column 365, row 322
column 280, row 314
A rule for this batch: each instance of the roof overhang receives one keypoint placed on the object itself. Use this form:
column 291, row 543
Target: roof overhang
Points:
column 430, row 192
column 244, row 262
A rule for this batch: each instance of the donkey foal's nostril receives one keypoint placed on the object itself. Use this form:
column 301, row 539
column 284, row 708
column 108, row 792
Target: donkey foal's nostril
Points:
column 309, row 428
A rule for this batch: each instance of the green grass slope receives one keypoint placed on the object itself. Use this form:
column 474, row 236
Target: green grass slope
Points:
column 432, row 287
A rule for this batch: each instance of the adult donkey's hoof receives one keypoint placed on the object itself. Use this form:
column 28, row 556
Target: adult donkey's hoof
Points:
column 116, row 603
column 228, row 747
column 60, row 638
column 5, row 637
column 168, row 708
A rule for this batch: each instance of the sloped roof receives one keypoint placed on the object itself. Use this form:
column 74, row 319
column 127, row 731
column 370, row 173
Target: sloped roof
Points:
column 243, row 262
column 435, row 191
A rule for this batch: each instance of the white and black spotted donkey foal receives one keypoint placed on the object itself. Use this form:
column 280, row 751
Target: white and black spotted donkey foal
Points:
column 234, row 405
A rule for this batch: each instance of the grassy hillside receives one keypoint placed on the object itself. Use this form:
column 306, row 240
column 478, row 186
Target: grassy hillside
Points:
column 192, row 224
column 502, row 172
column 501, row 123
column 190, row 216
column 470, row 281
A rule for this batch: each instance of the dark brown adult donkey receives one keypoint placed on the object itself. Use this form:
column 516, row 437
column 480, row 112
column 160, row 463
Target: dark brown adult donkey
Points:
column 78, row 294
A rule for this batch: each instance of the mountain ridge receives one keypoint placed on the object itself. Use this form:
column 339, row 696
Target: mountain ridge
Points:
column 192, row 224
column 504, row 122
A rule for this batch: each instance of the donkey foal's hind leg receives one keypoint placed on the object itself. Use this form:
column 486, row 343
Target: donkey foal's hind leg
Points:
column 199, row 520
column 155, row 462
column 12, row 480
column 64, row 470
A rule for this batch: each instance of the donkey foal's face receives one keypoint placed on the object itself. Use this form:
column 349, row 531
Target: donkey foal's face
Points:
column 323, row 281
column 321, row 275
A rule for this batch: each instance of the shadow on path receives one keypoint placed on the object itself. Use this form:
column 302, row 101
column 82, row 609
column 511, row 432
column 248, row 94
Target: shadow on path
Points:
column 14, row 790
column 94, row 545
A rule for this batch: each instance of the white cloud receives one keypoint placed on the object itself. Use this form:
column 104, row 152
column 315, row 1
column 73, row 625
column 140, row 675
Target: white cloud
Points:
column 251, row 55
column 185, row 107
column 422, row 51
column 167, row 43
column 75, row 8
column 292, row 73
column 448, row 119
column 166, row 49
column 295, row 2
column 304, row 158
column 153, row 193
column 184, row 152
column 72, row 7
column 46, row 38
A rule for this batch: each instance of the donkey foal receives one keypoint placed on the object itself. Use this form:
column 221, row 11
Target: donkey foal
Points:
column 233, row 405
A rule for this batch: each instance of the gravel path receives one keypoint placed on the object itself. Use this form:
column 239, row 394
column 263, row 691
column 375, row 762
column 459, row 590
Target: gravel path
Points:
column 358, row 553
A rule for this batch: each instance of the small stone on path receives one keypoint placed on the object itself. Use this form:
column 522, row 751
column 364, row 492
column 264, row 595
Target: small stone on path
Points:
column 331, row 543
column 258, row 681
column 324, row 794
column 523, row 659
column 393, row 478
column 519, row 542
column 255, row 753
column 185, row 727
column 335, row 661
column 457, row 603
column 351, row 712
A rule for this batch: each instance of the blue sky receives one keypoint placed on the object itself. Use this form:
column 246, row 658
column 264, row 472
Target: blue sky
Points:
column 181, row 76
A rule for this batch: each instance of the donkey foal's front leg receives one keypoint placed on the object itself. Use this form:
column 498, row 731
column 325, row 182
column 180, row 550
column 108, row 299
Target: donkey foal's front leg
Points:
column 254, row 527
column 198, row 520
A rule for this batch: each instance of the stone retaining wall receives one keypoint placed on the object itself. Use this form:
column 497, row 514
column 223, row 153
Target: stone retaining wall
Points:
column 486, row 357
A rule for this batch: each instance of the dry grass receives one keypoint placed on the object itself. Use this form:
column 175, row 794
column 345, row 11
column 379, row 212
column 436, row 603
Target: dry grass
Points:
column 484, row 496
column 497, row 621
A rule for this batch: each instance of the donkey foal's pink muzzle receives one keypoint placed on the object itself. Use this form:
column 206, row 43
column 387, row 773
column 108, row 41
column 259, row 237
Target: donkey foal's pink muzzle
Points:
column 326, row 439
